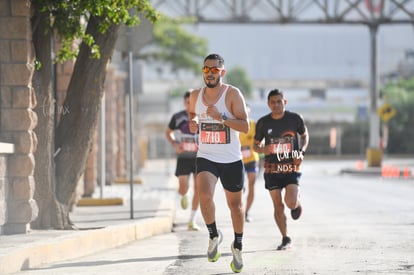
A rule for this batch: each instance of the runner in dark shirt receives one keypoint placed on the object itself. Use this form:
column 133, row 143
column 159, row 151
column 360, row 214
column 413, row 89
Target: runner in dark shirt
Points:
column 185, row 144
column 286, row 138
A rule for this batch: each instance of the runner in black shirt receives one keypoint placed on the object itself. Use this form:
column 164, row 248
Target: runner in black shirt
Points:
column 285, row 141
column 185, row 144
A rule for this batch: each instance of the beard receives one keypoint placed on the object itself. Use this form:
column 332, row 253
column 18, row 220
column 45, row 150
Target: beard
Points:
column 212, row 85
column 278, row 111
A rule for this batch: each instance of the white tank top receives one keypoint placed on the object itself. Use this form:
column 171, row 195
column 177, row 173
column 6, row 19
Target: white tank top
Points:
column 216, row 142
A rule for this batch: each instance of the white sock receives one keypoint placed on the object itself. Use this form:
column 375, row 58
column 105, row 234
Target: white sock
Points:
column 192, row 215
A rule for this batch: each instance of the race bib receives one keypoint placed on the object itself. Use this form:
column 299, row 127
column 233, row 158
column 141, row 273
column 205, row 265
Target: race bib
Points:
column 280, row 148
column 214, row 133
column 189, row 146
column 246, row 152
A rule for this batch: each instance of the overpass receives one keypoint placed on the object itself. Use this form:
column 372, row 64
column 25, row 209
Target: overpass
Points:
column 368, row 12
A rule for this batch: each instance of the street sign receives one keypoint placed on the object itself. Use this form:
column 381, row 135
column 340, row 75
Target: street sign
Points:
column 386, row 112
column 135, row 38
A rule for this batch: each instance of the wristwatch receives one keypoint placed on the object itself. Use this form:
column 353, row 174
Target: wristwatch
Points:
column 223, row 117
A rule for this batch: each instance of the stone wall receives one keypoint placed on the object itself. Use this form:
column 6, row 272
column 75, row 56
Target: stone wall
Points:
column 115, row 125
column 5, row 150
column 3, row 190
column 17, row 119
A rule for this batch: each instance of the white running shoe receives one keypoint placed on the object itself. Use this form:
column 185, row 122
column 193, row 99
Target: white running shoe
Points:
column 212, row 253
column 237, row 263
column 184, row 202
column 192, row 226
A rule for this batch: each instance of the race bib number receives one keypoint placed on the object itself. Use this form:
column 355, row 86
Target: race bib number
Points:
column 280, row 168
column 246, row 152
column 189, row 146
column 281, row 147
column 214, row 133
column 188, row 143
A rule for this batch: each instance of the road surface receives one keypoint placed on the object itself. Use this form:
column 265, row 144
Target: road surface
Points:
column 351, row 224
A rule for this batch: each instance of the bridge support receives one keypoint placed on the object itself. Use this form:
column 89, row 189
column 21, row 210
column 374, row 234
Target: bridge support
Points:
column 374, row 155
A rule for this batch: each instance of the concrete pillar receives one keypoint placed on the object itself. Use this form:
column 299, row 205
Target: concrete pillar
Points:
column 17, row 100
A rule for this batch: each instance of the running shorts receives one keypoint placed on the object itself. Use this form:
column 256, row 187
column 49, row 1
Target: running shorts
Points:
column 231, row 174
column 185, row 166
column 279, row 181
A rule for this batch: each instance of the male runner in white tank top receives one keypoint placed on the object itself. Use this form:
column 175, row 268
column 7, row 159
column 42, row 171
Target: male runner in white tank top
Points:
column 219, row 113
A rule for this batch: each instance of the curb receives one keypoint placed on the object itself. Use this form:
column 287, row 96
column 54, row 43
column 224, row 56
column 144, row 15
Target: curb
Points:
column 127, row 181
column 366, row 172
column 97, row 201
column 80, row 243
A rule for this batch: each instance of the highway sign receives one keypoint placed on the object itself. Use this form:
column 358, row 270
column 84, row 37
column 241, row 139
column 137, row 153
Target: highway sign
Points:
column 386, row 112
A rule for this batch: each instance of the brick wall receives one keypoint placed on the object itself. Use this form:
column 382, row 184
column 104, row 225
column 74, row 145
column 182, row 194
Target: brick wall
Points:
column 5, row 149
column 3, row 191
column 115, row 125
column 17, row 119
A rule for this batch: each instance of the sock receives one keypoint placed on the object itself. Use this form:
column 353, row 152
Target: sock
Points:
column 212, row 230
column 192, row 215
column 238, row 237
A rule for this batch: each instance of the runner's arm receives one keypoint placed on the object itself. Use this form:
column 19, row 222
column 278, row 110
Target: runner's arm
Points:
column 238, row 108
column 304, row 140
column 192, row 112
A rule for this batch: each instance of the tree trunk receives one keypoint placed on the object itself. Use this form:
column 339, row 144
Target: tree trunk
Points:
column 42, row 83
column 75, row 131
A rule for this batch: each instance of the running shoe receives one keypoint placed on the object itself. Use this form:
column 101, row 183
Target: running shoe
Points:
column 295, row 213
column 237, row 263
column 286, row 241
column 212, row 252
column 184, row 202
column 192, row 226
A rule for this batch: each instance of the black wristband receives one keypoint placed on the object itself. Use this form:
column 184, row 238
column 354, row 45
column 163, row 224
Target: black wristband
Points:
column 303, row 152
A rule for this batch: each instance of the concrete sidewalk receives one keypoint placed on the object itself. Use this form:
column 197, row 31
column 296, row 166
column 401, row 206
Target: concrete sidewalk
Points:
column 100, row 227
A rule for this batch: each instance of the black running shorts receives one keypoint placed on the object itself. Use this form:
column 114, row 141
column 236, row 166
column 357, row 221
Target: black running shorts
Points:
column 279, row 181
column 185, row 166
column 251, row 167
column 231, row 174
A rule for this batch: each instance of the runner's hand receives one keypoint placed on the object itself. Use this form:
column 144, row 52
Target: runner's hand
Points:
column 213, row 113
column 193, row 126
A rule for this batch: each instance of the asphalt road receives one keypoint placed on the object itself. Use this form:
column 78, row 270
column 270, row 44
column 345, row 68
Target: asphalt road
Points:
column 351, row 224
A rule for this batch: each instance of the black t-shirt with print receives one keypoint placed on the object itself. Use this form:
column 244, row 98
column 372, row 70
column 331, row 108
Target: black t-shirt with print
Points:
column 179, row 123
column 283, row 133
